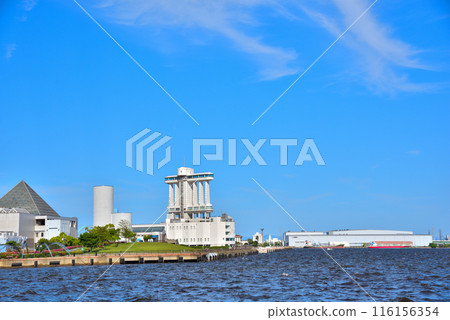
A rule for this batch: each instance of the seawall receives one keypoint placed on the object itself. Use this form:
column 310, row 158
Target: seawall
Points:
column 125, row 258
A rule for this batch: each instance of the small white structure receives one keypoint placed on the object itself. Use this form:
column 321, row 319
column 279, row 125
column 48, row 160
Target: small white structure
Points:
column 189, row 211
column 48, row 227
column 104, row 208
column 272, row 241
column 258, row 238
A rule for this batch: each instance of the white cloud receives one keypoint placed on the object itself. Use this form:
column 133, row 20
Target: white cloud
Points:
column 28, row 5
column 228, row 18
column 384, row 60
column 10, row 48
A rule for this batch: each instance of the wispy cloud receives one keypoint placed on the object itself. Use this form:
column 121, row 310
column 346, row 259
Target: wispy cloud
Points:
column 414, row 152
column 230, row 19
column 28, row 5
column 10, row 48
column 384, row 60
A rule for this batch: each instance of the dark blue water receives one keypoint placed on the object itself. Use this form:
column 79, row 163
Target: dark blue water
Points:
column 291, row 275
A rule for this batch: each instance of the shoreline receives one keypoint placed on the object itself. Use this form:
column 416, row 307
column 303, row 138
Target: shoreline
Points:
column 120, row 258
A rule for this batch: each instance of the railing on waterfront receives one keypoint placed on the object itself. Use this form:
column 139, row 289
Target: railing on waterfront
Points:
column 156, row 252
column 197, row 252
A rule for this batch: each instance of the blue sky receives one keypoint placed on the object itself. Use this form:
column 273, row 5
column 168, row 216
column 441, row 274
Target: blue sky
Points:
column 376, row 105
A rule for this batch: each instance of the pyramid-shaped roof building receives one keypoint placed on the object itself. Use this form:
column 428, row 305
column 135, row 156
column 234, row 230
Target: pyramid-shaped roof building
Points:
column 22, row 196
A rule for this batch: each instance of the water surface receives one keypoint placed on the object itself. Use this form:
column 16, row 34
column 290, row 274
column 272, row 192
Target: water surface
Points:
column 291, row 275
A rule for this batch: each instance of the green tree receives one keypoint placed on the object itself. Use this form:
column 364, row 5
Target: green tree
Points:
column 89, row 239
column 125, row 230
column 105, row 233
column 12, row 244
column 65, row 239
column 432, row 245
column 146, row 238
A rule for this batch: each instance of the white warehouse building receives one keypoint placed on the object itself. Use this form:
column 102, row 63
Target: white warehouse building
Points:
column 354, row 238
column 189, row 219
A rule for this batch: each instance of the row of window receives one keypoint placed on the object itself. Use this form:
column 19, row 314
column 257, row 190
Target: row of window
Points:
column 193, row 239
column 182, row 227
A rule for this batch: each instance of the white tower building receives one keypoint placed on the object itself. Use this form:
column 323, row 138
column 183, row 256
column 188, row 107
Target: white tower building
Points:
column 189, row 195
column 189, row 219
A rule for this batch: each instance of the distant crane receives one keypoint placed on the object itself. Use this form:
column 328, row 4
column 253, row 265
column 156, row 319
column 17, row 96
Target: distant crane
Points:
column 262, row 235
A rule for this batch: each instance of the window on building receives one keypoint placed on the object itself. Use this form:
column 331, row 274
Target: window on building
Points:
column 42, row 234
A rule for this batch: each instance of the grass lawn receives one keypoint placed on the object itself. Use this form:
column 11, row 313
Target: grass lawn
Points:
column 144, row 247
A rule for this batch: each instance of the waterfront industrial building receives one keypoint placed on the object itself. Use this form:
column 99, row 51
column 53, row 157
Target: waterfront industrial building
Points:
column 23, row 213
column 156, row 231
column 189, row 219
column 354, row 238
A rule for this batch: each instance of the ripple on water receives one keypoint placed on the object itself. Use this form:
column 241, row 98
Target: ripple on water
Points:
column 388, row 275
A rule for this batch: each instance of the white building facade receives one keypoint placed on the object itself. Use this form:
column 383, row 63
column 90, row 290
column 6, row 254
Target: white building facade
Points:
column 354, row 238
column 189, row 219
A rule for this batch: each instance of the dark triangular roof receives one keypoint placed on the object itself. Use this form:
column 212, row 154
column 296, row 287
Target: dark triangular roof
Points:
column 22, row 196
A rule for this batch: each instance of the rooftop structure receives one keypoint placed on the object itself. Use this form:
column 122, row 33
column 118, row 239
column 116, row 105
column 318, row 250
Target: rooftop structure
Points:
column 22, row 196
column 189, row 194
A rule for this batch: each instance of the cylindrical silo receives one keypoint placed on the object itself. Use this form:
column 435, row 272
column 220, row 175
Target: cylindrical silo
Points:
column 119, row 216
column 103, row 205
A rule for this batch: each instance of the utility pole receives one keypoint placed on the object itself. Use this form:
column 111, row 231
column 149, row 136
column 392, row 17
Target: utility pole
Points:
column 440, row 234
column 432, row 234
column 262, row 235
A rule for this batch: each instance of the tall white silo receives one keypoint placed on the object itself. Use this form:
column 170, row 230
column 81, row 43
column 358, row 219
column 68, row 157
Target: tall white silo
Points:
column 103, row 205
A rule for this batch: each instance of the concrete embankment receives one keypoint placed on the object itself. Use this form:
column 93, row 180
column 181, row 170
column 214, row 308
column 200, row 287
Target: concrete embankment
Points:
column 271, row 249
column 128, row 258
